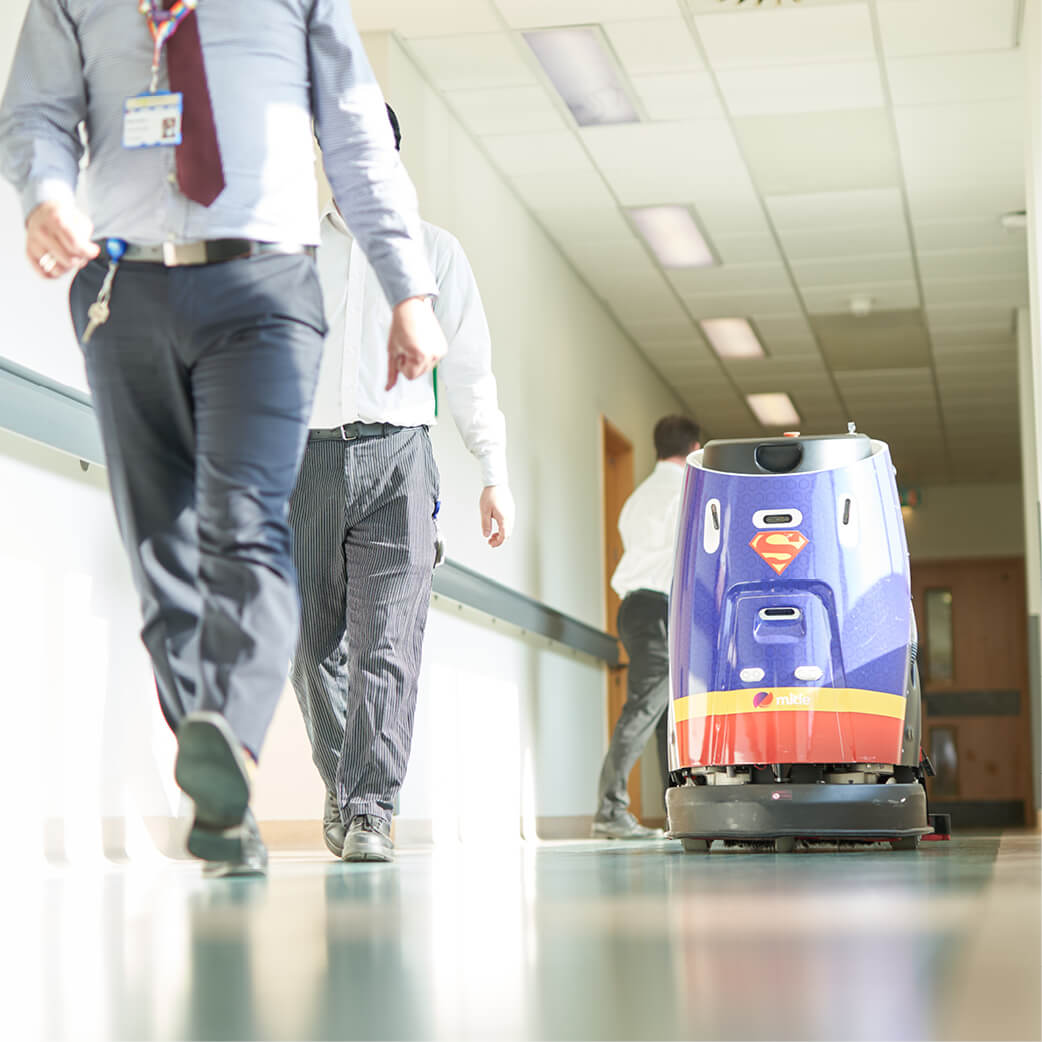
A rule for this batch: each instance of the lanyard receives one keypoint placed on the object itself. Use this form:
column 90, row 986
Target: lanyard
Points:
column 163, row 24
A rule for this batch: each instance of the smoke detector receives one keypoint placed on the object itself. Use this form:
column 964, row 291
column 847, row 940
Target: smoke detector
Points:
column 860, row 306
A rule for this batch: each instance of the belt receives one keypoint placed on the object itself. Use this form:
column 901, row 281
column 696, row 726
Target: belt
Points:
column 352, row 431
column 207, row 251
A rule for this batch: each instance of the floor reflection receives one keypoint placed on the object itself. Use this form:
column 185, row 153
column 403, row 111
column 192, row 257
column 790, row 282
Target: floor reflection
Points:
column 559, row 941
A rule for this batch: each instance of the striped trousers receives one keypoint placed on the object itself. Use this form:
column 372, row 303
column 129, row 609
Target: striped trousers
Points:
column 364, row 536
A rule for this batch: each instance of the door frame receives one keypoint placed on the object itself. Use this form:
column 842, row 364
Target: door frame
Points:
column 617, row 484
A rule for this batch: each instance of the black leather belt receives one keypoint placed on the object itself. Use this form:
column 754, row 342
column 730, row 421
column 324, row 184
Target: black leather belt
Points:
column 351, row 431
column 207, row 251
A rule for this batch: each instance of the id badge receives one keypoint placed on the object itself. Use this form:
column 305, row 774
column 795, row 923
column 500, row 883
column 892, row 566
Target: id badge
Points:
column 153, row 120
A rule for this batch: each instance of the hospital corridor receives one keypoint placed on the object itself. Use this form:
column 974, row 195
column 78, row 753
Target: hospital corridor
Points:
column 521, row 520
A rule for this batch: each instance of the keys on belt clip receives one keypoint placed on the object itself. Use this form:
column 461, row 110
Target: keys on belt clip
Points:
column 98, row 312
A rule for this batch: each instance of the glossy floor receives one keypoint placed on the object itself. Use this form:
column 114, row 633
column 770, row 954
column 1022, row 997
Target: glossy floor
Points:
column 556, row 941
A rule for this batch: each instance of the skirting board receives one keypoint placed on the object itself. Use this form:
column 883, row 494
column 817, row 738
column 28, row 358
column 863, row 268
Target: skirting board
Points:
column 410, row 832
column 167, row 835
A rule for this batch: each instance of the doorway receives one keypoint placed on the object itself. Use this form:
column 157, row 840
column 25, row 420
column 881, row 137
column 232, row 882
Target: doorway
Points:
column 617, row 454
column 973, row 662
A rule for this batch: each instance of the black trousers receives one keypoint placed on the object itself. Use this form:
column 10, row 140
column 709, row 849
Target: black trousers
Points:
column 202, row 381
column 643, row 617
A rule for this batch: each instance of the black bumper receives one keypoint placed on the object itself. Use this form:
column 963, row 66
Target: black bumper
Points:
column 805, row 811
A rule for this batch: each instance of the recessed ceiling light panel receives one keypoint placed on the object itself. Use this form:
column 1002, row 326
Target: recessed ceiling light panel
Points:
column 673, row 236
column 584, row 73
column 774, row 410
column 732, row 337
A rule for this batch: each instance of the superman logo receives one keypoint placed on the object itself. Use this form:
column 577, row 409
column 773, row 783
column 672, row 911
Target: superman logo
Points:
column 779, row 549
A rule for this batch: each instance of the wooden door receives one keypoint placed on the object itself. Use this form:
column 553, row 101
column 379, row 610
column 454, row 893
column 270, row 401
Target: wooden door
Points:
column 972, row 624
column 618, row 485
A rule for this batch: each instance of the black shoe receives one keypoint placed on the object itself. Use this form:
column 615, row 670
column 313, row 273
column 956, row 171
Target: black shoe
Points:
column 333, row 826
column 253, row 854
column 211, row 769
column 368, row 839
column 624, row 827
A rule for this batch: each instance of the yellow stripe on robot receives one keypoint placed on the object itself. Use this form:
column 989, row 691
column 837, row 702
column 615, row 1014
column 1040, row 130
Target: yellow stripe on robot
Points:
column 789, row 699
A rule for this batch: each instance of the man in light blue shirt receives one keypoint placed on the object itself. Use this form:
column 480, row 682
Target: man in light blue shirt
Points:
column 200, row 316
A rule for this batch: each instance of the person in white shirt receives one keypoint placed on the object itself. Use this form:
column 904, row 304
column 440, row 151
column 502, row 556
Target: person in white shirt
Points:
column 642, row 579
column 364, row 521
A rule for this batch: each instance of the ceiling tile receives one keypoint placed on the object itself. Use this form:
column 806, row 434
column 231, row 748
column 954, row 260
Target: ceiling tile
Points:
column 970, row 323
column 625, row 257
column 801, row 88
column 551, row 191
column 953, row 264
column 746, row 249
column 668, row 162
column 880, row 384
column 967, row 235
column 730, row 279
column 962, row 161
column 792, row 36
column 586, row 224
column 885, row 296
column 826, row 211
column 431, row 18
column 845, row 242
column 732, row 212
column 521, row 110
column 981, row 352
column 819, row 152
column 737, row 305
column 653, row 46
column 554, row 151
column 1009, row 290
column 679, row 95
column 889, row 267
column 988, row 76
column 883, row 340
column 528, row 13
column 478, row 60
column 946, row 26
column 806, row 374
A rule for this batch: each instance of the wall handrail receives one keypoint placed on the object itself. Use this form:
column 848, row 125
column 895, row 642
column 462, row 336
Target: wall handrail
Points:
column 43, row 410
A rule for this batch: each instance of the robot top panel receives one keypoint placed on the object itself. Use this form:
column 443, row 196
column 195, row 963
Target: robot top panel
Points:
column 786, row 455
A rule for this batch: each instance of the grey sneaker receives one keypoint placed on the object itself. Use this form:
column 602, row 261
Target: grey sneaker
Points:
column 624, row 827
column 333, row 826
column 368, row 839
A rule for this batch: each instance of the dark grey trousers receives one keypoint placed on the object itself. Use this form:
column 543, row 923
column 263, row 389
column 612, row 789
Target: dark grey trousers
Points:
column 364, row 535
column 202, row 381
column 643, row 617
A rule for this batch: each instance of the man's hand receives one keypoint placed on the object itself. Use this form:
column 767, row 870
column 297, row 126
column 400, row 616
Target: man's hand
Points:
column 58, row 239
column 416, row 343
column 497, row 504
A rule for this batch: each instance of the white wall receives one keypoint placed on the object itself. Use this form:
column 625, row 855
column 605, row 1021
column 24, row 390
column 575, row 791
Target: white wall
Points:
column 968, row 520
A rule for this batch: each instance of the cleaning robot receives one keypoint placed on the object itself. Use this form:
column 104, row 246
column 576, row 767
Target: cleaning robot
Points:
column 795, row 711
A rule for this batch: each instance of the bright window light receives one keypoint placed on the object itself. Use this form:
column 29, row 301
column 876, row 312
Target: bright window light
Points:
column 585, row 74
column 732, row 338
column 774, row 410
column 673, row 236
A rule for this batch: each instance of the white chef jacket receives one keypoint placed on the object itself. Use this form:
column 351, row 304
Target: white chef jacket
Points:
column 353, row 372
column 648, row 526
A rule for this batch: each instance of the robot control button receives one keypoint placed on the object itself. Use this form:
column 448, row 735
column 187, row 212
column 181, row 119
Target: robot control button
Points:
column 809, row 673
column 751, row 676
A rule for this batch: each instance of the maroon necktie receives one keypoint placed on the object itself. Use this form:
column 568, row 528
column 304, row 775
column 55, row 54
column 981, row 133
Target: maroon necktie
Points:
column 199, row 170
